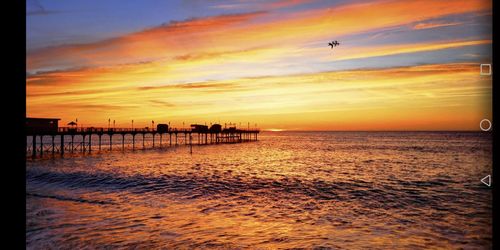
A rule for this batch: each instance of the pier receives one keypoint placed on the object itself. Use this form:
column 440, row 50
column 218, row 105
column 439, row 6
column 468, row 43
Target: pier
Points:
column 62, row 139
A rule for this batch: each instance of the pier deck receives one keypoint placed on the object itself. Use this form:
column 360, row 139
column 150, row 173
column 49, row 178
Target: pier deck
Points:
column 38, row 147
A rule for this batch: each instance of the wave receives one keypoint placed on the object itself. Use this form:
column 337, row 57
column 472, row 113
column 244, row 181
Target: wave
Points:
column 65, row 198
column 388, row 194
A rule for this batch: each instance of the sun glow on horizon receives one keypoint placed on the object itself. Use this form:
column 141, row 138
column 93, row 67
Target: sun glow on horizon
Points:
column 274, row 129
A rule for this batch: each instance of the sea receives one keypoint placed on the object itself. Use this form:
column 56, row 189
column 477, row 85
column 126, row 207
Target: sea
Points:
column 288, row 190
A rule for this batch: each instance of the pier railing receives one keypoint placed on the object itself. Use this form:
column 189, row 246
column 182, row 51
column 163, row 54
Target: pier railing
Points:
column 38, row 146
column 149, row 130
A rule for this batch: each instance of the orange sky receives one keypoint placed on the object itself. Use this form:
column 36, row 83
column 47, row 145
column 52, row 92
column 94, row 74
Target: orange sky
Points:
column 401, row 65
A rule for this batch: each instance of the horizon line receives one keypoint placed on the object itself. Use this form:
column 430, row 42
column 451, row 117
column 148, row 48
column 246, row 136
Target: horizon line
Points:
column 302, row 130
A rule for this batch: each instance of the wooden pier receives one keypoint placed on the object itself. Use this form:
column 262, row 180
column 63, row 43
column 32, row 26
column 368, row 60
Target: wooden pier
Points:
column 175, row 136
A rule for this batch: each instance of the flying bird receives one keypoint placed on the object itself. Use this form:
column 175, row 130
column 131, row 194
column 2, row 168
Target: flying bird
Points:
column 333, row 43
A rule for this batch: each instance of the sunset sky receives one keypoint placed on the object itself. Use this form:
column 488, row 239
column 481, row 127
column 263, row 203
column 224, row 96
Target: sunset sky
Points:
column 401, row 65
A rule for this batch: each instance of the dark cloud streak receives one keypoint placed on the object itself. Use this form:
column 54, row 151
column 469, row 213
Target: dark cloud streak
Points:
column 34, row 8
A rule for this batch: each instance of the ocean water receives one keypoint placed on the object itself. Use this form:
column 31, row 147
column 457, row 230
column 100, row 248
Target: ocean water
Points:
column 339, row 190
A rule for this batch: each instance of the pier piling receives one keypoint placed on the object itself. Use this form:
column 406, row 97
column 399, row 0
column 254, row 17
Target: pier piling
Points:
column 62, row 144
column 205, row 137
column 53, row 145
column 41, row 145
column 34, row 146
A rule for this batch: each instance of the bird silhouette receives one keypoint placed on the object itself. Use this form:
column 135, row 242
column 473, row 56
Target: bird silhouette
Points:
column 333, row 43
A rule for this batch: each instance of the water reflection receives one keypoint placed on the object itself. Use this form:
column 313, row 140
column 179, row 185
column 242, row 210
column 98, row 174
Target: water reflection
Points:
column 317, row 189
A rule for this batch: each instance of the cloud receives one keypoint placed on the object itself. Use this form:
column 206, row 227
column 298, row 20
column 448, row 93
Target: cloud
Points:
column 393, row 49
column 432, row 25
column 249, row 65
column 92, row 107
column 162, row 103
column 201, row 85
column 219, row 54
column 435, row 93
column 263, row 5
column 34, row 8
column 65, row 93
column 151, row 44
column 211, row 35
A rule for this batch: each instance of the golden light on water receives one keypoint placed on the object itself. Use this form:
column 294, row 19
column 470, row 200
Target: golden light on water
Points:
column 287, row 190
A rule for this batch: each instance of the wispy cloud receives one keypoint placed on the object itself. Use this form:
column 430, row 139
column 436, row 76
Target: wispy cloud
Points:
column 164, row 41
column 33, row 8
column 276, row 68
column 243, row 31
column 264, row 5
column 342, row 98
column 162, row 103
column 200, row 85
column 432, row 25
column 385, row 50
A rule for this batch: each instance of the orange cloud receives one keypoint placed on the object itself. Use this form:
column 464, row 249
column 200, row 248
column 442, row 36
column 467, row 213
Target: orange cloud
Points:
column 162, row 73
column 385, row 50
column 213, row 35
column 265, row 5
column 352, row 18
column 443, row 96
column 432, row 25
column 138, row 46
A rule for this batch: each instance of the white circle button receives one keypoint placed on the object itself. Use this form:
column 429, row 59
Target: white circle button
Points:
column 485, row 122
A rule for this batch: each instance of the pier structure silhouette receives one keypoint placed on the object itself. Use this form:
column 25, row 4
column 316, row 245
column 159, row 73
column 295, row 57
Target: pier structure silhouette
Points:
column 202, row 136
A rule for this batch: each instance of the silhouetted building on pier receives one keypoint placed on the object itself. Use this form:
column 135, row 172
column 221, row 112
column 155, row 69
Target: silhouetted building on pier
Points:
column 230, row 129
column 216, row 128
column 162, row 128
column 199, row 128
column 41, row 125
